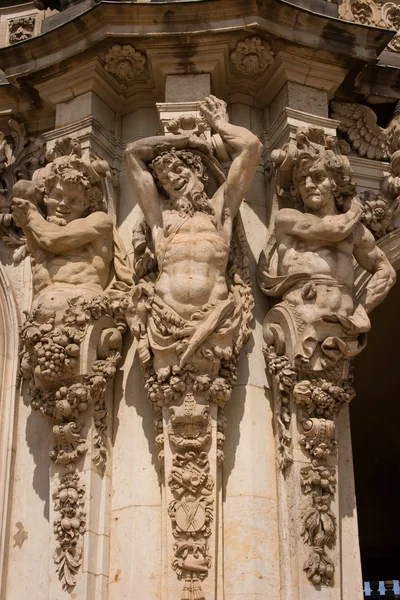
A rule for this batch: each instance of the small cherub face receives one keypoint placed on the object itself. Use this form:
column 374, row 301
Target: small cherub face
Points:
column 67, row 200
column 316, row 189
column 178, row 180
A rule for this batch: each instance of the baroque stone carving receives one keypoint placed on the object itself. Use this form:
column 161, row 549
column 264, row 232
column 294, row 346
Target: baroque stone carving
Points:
column 21, row 29
column 68, row 527
column 252, row 55
column 318, row 325
column 20, row 156
column 358, row 122
column 125, row 62
column 190, row 312
column 71, row 338
column 368, row 12
column 360, row 125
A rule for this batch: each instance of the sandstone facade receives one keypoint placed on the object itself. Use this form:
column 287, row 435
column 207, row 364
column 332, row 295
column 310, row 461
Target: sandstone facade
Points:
column 199, row 211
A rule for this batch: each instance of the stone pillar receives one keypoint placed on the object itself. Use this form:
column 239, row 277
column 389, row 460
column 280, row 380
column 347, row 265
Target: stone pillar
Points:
column 251, row 552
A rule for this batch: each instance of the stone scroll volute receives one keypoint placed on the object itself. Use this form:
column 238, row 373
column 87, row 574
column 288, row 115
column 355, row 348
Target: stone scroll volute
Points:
column 317, row 325
column 190, row 312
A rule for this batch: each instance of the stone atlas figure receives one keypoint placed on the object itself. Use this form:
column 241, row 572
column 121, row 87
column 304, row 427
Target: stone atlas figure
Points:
column 70, row 339
column 309, row 261
column 191, row 309
column 317, row 325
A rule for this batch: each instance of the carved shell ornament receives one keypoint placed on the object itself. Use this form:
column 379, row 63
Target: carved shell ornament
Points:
column 125, row 62
column 252, row 56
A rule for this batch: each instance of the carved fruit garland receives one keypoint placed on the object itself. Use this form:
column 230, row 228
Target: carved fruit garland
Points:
column 50, row 360
column 319, row 400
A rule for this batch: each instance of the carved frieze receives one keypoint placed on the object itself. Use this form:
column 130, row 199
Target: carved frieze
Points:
column 191, row 310
column 252, row 56
column 368, row 12
column 125, row 62
column 317, row 326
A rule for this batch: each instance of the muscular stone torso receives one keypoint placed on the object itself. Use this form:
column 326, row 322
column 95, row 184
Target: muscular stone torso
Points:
column 192, row 256
column 89, row 265
column 330, row 259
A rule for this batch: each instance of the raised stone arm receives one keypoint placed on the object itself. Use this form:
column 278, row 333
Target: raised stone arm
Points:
column 332, row 228
column 59, row 239
column 243, row 142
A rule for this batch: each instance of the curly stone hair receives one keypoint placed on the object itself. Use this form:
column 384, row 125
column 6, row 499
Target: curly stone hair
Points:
column 72, row 169
column 191, row 160
column 311, row 150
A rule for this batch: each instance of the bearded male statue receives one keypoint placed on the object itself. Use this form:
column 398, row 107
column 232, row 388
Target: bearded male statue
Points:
column 191, row 237
column 191, row 310
column 315, row 328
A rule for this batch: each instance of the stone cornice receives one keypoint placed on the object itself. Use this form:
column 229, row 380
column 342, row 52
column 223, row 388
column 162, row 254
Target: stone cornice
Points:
column 127, row 20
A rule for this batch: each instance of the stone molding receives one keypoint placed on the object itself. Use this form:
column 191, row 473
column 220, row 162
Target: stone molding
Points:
column 9, row 324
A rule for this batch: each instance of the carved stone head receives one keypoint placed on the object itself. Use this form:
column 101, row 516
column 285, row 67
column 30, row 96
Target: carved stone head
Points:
column 182, row 177
column 322, row 176
column 69, row 190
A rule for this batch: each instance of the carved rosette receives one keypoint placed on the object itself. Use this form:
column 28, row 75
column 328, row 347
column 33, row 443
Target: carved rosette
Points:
column 125, row 62
column 308, row 341
column 252, row 56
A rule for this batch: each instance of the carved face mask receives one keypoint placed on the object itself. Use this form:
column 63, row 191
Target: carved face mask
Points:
column 67, row 201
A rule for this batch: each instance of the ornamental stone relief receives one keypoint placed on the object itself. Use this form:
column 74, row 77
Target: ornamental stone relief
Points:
column 368, row 12
column 317, row 325
column 125, row 62
column 252, row 56
column 190, row 334
column 21, row 29
column 20, row 156
column 359, row 124
column 71, row 338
